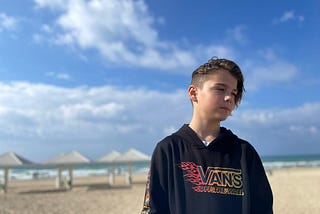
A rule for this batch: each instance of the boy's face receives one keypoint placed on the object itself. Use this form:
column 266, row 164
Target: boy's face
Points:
column 215, row 100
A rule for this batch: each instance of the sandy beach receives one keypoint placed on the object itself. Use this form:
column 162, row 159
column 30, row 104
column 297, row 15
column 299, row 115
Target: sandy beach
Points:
column 296, row 191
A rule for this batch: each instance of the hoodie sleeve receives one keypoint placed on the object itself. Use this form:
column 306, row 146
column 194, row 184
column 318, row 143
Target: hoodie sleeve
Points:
column 156, row 197
column 260, row 191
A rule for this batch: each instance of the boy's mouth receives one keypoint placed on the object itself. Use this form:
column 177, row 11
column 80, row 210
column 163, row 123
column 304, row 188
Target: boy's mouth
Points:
column 226, row 109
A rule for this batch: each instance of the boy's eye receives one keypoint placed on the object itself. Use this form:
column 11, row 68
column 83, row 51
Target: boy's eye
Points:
column 220, row 90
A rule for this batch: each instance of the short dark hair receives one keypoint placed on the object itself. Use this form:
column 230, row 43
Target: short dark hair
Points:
column 199, row 76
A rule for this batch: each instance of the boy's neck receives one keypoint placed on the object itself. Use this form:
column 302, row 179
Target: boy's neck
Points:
column 205, row 131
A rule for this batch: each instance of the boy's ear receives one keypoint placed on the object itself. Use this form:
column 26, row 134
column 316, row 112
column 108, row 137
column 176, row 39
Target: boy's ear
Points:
column 193, row 91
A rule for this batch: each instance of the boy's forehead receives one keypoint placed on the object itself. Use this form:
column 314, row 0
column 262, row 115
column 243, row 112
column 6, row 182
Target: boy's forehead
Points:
column 221, row 76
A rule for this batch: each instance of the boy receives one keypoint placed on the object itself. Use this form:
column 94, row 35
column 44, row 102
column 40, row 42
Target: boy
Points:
column 205, row 168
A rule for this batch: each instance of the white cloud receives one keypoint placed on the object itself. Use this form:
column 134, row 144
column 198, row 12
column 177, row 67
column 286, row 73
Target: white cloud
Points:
column 268, row 70
column 7, row 22
column 304, row 129
column 219, row 51
column 280, row 131
column 277, row 72
column 238, row 34
column 88, row 111
column 303, row 115
column 122, row 31
column 289, row 16
column 44, row 120
column 47, row 28
column 62, row 76
column 38, row 116
column 53, row 4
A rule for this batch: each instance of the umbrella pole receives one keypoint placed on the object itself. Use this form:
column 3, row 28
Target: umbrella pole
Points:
column 129, row 175
column 111, row 175
column 70, row 168
column 59, row 177
column 5, row 176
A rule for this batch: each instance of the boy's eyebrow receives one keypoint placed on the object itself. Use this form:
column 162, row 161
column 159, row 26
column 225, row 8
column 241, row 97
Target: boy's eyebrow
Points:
column 225, row 85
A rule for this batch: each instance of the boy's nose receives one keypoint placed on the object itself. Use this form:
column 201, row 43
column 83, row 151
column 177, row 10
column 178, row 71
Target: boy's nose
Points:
column 228, row 98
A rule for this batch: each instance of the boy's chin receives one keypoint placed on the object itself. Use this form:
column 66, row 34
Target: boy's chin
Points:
column 224, row 118
column 221, row 120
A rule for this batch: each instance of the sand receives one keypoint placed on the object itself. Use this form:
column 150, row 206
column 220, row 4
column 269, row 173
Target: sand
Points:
column 296, row 191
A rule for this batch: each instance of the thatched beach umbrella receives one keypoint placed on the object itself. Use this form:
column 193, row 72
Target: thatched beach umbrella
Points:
column 129, row 157
column 109, row 158
column 8, row 160
column 56, row 162
column 70, row 159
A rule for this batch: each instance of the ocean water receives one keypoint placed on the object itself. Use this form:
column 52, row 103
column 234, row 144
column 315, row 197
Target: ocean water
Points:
column 272, row 162
column 92, row 169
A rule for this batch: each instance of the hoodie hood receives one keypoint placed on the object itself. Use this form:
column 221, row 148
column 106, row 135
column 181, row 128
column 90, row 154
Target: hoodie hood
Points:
column 225, row 138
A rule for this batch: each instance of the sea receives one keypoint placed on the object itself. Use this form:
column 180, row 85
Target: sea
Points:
column 28, row 172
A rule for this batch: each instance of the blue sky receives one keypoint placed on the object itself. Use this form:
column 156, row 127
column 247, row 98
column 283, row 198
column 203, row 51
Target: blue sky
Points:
column 96, row 76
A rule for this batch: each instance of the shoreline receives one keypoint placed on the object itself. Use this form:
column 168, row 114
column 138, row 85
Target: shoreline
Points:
column 295, row 190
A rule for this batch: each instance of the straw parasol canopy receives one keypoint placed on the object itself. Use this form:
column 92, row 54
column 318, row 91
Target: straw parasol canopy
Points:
column 129, row 157
column 69, row 159
column 132, row 155
column 110, row 158
column 8, row 160
column 12, row 159
column 73, row 157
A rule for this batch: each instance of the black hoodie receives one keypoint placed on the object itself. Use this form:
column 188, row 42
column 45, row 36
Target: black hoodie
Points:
column 225, row 177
